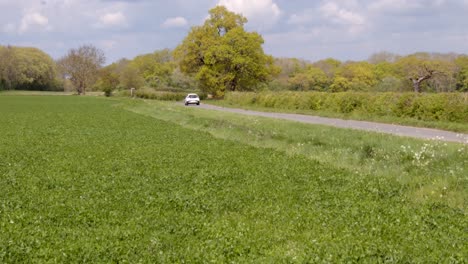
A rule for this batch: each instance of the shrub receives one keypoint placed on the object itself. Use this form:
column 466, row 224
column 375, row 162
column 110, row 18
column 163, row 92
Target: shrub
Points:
column 451, row 107
column 147, row 93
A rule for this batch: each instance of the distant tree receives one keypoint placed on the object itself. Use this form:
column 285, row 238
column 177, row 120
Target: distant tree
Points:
column 82, row 66
column 130, row 77
column 27, row 69
column 328, row 66
column 108, row 80
column 389, row 84
column 340, row 84
column 223, row 56
column 462, row 74
column 384, row 70
column 8, row 72
column 360, row 75
column 419, row 67
column 383, row 56
column 310, row 79
column 290, row 66
column 156, row 68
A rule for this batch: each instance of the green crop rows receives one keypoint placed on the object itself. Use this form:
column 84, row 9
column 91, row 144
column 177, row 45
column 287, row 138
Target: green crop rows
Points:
column 83, row 180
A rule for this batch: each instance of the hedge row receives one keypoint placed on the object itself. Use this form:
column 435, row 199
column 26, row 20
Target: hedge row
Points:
column 164, row 96
column 451, row 107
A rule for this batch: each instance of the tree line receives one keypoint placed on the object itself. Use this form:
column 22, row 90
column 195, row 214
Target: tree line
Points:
column 220, row 56
column 382, row 72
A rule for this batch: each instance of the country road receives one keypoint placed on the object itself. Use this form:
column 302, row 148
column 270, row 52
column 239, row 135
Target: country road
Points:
column 406, row 131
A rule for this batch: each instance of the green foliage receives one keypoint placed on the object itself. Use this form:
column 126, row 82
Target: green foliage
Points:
column 429, row 72
column 130, row 77
column 450, row 107
column 148, row 93
column 462, row 78
column 330, row 66
column 311, row 79
column 390, row 84
column 223, row 56
column 155, row 68
column 340, row 84
column 27, row 69
column 137, row 192
column 359, row 75
column 108, row 80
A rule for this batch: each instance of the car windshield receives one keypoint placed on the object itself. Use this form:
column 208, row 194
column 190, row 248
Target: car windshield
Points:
column 193, row 96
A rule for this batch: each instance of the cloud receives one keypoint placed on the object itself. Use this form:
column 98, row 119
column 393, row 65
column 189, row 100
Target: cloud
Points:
column 303, row 18
column 33, row 21
column 175, row 22
column 341, row 16
column 265, row 12
column 116, row 19
column 329, row 16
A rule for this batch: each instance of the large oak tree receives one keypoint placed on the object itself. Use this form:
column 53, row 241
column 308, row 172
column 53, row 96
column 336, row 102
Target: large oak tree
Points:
column 223, row 56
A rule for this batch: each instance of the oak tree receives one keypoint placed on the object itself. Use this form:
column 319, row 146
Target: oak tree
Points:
column 223, row 56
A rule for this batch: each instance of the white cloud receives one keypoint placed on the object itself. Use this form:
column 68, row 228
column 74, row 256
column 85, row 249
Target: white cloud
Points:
column 33, row 21
column 175, row 22
column 341, row 16
column 264, row 12
column 300, row 19
column 112, row 20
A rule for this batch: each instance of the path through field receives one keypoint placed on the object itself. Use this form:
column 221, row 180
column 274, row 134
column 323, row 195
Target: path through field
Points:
column 407, row 131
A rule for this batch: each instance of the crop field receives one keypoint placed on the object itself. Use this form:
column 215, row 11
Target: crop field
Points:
column 88, row 179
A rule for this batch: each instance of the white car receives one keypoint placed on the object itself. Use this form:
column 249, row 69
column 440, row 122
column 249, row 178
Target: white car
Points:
column 192, row 99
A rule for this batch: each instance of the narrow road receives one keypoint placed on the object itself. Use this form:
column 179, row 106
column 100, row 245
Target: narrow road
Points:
column 416, row 132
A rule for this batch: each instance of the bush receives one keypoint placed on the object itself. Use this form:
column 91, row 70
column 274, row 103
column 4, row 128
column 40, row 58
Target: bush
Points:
column 147, row 93
column 451, row 107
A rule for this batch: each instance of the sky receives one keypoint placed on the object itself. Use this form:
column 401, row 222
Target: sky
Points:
column 306, row 29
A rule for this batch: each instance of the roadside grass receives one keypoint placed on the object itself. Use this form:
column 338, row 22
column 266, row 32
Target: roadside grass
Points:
column 449, row 126
column 85, row 181
column 431, row 171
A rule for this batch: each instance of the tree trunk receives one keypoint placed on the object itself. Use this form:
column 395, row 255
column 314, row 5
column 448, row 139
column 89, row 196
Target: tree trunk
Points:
column 417, row 82
column 416, row 86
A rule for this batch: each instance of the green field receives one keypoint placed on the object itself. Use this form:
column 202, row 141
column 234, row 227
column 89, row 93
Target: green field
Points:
column 88, row 179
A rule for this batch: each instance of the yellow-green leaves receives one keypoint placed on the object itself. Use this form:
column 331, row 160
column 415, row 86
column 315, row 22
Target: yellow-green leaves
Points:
column 26, row 68
column 223, row 56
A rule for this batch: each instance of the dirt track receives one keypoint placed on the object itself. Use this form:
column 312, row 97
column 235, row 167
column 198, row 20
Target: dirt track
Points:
column 416, row 132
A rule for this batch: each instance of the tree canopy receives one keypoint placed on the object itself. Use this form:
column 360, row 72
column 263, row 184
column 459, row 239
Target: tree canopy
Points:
column 25, row 68
column 223, row 56
column 82, row 66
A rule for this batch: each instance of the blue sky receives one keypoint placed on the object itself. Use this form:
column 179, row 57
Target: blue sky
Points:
column 311, row 30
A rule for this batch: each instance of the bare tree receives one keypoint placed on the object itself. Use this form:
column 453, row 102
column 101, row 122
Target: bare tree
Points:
column 424, row 74
column 81, row 66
